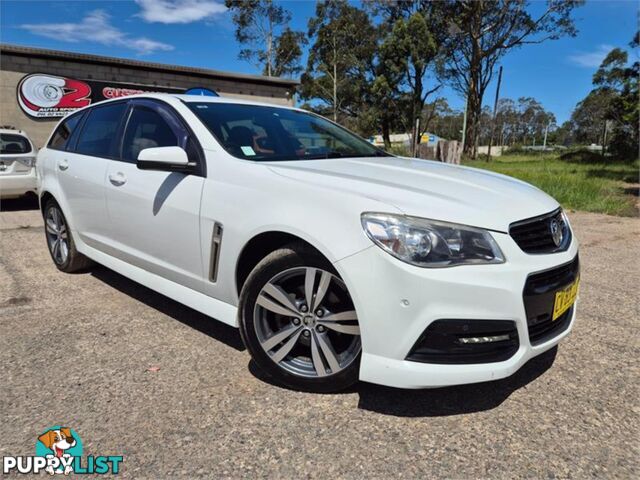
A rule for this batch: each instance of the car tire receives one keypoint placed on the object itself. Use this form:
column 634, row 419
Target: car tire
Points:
column 323, row 344
column 60, row 242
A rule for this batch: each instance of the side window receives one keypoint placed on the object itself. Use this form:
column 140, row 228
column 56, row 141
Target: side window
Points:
column 62, row 134
column 98, row 136
column 146, row 129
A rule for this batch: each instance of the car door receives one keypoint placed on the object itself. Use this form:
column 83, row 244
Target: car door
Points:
column 155, row 214
column 81, row 164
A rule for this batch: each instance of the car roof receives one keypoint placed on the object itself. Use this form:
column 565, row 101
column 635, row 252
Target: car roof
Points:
column 14, row 131
column 209, row 99
column 193, row 99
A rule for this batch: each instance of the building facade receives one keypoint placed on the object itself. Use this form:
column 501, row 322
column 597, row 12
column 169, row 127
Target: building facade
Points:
column 38, row 86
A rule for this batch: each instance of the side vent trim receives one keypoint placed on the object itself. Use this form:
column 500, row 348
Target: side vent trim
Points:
column 216, row 243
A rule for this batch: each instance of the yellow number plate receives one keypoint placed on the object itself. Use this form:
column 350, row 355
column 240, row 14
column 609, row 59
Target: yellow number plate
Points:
column 564, row 299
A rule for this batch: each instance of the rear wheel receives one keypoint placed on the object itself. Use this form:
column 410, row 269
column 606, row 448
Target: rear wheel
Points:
column 299, row 323
column 60, row 241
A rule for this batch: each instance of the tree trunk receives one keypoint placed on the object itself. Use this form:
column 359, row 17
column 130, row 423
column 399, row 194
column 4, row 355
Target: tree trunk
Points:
column 474, row 93
column 270, row 40
column 386, row 135
column 473, row 119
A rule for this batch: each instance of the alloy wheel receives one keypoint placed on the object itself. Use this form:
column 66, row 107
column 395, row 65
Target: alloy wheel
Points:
column 306, row 322
column 57, row 235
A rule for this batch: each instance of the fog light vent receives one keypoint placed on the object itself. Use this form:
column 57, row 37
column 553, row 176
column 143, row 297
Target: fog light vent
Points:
column 494, row 338
column 456, row 341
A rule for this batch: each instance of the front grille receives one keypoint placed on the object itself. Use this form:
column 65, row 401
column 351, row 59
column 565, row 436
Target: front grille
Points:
column 534, row 235
column 539, row 297
column 553, row 279
column 447, row 342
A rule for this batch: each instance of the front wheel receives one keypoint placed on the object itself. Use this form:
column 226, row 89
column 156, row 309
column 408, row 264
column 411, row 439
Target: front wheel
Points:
column 299, row 323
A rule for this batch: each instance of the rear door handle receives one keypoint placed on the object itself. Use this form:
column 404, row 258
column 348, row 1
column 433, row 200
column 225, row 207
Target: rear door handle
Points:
column 63, row 164
column 117, row 179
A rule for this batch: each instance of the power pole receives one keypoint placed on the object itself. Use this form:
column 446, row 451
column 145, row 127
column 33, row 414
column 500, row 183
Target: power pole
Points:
column 495, row 113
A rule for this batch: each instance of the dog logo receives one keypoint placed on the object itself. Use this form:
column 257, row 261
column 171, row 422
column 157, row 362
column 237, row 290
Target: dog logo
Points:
column 62, row 443
column 59, row 451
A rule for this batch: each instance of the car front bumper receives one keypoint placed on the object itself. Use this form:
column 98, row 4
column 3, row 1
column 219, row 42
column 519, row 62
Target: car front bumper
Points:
column 396, row 302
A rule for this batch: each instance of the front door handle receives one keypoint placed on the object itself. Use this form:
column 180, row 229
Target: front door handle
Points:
column 63, row 164
column 117, row 179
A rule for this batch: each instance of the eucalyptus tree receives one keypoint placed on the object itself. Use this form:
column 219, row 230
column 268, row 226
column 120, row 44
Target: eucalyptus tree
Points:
column 262, row 28
column 287, row 54
column 588, row 119
column 618, row 79
column 412, row 34
column 609, row 114
column 343, row 42
column 481, row 32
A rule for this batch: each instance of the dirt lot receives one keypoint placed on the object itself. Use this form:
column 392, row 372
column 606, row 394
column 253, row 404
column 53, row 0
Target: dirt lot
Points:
column 77, row 350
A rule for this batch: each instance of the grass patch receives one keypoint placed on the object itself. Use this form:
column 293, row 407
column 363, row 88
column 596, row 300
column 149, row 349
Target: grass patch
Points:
column 398, row 149
column 589, row 186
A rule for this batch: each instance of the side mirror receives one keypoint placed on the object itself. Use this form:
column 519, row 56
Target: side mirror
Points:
column 171, row 159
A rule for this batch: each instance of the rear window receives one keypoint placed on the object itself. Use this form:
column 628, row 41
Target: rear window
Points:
column 60, row 138
column 14, row 144
column 98, row 136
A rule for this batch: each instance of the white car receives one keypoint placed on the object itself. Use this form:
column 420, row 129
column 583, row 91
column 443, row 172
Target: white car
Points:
column 17, row 164
column 336, row 260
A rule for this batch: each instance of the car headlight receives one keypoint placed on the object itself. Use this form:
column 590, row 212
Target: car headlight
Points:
column 431, row 243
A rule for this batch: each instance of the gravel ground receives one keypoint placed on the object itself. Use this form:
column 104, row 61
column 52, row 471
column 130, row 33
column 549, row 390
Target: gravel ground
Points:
column 175, row 393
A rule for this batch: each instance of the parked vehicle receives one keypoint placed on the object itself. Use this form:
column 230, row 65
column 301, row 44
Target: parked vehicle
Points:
column 336, row 260
column 17, row 163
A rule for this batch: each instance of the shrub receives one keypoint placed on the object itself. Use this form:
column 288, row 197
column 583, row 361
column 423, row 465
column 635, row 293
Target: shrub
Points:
column 582, row 156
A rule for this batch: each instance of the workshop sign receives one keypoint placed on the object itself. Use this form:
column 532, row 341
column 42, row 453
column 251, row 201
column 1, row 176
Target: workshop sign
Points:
column 48, row 96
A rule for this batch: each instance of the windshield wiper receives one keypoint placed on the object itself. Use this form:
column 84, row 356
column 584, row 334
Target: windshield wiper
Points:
column 329, row 154
column 337, row 154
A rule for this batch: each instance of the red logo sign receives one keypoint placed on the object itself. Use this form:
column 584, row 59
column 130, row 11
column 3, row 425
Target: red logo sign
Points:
column 43, row 96
column 46, row 96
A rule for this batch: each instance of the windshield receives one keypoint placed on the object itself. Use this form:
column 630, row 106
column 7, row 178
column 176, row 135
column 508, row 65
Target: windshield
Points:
column 263, row 133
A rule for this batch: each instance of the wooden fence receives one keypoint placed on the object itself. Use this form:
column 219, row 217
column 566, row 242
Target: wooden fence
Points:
column 447, row 151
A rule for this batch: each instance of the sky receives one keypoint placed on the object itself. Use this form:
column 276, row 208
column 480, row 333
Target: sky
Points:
column 200, row 33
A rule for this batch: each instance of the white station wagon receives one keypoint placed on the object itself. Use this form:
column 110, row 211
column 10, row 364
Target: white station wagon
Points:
column 336, row 260
column 17, row 164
